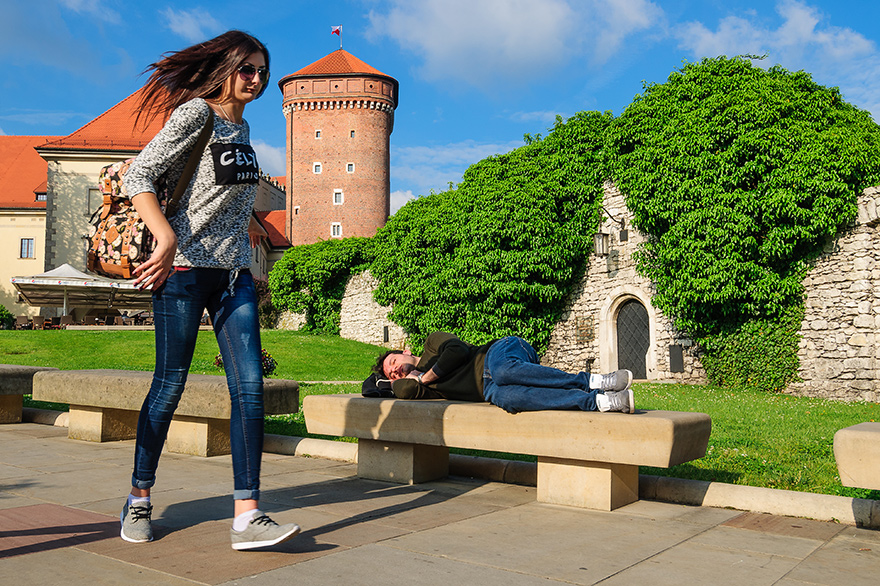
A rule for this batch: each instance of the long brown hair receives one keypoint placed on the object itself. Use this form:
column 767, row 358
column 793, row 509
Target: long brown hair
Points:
column 196, row 72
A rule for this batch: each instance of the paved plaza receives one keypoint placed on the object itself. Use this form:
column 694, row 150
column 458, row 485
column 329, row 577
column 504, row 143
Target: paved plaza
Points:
column 59, row 524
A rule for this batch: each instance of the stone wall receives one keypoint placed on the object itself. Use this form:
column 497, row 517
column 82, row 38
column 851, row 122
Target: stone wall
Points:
column 364, row 320
column 586, row 335
column 840, row 336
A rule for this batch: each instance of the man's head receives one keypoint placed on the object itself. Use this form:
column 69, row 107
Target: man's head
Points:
column 395, row 364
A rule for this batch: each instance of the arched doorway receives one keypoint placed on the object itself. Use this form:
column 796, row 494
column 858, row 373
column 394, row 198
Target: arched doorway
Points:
column 633, row 338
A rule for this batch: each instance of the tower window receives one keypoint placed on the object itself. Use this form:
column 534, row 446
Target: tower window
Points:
column 317, row 134
column 296, row 211
column 352, row 133
column 317, row 168
column 338, row 197
column 336, row 230
column 350, row 168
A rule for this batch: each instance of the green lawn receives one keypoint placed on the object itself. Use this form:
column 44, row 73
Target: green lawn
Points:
column 758, row 439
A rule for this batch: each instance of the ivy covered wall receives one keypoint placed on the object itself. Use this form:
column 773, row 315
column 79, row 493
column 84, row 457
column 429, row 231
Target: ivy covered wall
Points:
column 737, row 176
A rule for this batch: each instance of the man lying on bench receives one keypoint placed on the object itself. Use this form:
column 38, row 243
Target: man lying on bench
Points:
column 504, row 372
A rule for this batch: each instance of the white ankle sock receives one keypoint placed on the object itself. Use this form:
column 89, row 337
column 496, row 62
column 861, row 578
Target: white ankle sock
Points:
column 138, row 500
column 241, row 522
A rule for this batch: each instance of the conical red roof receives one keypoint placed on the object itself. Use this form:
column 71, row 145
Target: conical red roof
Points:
column 336, row 63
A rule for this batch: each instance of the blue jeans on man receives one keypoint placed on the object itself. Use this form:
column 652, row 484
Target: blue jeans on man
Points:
column 514, row 380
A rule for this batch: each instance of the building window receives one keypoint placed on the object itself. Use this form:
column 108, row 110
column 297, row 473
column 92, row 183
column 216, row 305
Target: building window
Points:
column 350, row 168
column 317, row 168
column 352, row 133
column 96, row 200
column 296, row 211
column 27, row 248
column 41, row 197
column 317, row 134
column 338, row 197
column 336, row 230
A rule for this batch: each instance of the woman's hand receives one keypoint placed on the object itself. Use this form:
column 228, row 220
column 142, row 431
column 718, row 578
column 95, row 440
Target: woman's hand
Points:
column 255, row 232
column 154, row 272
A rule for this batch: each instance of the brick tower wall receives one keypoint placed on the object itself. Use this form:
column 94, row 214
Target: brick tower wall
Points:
column 322, row 114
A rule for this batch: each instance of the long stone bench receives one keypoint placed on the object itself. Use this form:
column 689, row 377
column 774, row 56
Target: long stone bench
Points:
column 857, row 452
column 585, row 459
column 15, row 382
column 104, row 406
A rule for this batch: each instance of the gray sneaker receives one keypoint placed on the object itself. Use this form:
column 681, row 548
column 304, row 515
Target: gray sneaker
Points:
column 619, row 380
column 262, row 532
column 616, row 401
column 135, row 521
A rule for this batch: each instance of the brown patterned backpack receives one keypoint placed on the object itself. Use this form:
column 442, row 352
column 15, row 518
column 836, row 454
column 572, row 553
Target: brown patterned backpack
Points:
column 119, row 240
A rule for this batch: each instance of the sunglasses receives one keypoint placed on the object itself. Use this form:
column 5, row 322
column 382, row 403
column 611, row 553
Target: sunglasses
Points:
column 248, row 71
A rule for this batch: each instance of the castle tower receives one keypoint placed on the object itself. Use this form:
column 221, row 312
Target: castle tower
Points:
column 340, row 115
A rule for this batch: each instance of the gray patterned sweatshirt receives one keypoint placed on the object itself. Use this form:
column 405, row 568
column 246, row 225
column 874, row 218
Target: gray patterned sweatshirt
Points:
column 212, row 221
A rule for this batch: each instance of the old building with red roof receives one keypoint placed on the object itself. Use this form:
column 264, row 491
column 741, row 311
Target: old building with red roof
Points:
column 22, row 214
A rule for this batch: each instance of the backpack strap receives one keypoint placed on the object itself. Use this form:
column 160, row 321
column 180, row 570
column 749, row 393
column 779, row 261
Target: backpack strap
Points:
column 191, row 163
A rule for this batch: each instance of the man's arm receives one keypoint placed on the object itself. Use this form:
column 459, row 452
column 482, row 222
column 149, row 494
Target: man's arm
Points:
column 447, row 353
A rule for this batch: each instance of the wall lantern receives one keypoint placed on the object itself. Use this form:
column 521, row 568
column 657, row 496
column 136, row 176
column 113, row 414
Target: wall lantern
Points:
column 601, row 243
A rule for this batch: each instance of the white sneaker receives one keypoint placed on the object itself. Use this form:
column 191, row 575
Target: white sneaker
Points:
column 262, row 532
column 616, row 401
column 619, row 380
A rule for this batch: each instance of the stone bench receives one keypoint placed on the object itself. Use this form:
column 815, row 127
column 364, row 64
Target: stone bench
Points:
column 857, row 452
column 104, row 406
column 585, row 459
column 15, row 382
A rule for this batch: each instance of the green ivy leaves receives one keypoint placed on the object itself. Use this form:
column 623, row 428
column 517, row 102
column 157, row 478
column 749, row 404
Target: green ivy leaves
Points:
column 739, row 175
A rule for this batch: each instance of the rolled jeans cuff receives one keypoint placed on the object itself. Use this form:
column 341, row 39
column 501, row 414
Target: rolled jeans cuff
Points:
column 245, row 494
column 142, row 484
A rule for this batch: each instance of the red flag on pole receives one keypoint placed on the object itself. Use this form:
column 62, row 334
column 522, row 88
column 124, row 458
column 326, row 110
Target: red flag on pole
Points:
column 336, row 30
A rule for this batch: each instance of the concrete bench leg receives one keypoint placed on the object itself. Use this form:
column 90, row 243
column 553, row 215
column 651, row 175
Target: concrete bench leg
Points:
column 198, row 436
column 589, row 485
column 402, row 463
column 10, row 408
column 95, row 424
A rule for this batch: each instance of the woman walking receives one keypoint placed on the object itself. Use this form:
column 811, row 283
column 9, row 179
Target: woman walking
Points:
column 201, row 263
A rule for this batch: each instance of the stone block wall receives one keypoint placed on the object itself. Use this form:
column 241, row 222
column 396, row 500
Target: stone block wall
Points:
column 840, row 336
column 364, row 320
column 586, row 335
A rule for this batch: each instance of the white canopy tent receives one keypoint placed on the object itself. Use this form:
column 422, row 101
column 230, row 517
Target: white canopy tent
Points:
column 68, row 287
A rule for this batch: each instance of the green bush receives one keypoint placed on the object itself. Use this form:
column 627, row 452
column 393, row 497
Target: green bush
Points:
column 739, row 176
column 311, row 279
column 760, row 354
column 496, row 255
column 7, row 320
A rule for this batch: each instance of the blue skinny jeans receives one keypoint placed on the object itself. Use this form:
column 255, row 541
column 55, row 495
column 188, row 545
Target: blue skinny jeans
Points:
column 177, row 309
column 514, row 380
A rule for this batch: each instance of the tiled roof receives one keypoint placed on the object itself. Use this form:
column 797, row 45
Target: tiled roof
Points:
column 336, row 63
column 22, row 171
column 273, row 222
column 113, row 130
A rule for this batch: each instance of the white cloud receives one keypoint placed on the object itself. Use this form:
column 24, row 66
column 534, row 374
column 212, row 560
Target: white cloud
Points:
column 805, row 40
column 45, row 118
column 94, row 8
column 489, row 42
column 546, row 116
column 419, row 169
column 193, row 25
column 399, row 199
column 272, row 159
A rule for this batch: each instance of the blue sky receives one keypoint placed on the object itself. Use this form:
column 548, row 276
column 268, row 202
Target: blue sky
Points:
column 475, row 75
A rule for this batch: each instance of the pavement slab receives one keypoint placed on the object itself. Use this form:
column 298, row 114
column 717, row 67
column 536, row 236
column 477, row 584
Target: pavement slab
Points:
column 59, row 524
